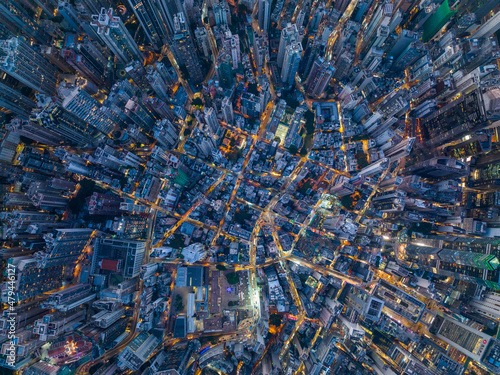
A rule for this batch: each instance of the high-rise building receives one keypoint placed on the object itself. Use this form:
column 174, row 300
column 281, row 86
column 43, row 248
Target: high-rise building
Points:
column 264, row 15
column 342, row 66
column 400, row 150
column 18, row 20
column 167, row 73
column 81, row 104
column 86, row 57
column 63, row 247
column 202, row 41
column 404, row 39
column 467, row 340
column 310, row 55
column 231, row 44
column 439, row 167
column 289, row 35
column 157, row 83
column 291, row 62
column 319, row 77
column 211, row 121
column 152, row 19
column 138, row 351
column 104, row 204
column 32, row 281
column 115, row 35
column 130, row 252
column 182, row 46
column 21, row 61
column 73, row 129
column 342, row 189
column 166, row 133
column 491, row 26
column 54, row 55
column 341, row 5
column 374, row 168
column 70, row 14
column 171, row 9
column 69, row 298
column 227, row 110
column 221, row 12
column 136, row 72
column 260, row 50
column 44, row 196
column 158, row 108
column 475, row 260
column 412, row 53
column 14, row 101
column 224, row 69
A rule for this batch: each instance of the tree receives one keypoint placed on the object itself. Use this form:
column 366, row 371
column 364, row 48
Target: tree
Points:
column 205, row 20
column 123, row 182
column 253, row 89
column 187, row 131
column 197, row 102
column 347, row 201
column 303, row 151
column 221, row 267
column 292, row 149
column 362, row 159
column 309, row 117
column 290, row 100
column 277, row 139
column 232, row 278
column 242, row 8
column 86, row 189
column 178, row 302
column 275, row 320
column 360, row 137
column 240, row 216
column 184, row 71
column 232, row 142
column 26, row 140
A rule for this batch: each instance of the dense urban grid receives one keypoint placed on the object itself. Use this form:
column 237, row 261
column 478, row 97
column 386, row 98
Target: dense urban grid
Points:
column 253, row 187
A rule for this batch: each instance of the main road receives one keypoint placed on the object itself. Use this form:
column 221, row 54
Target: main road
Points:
column 83, row 369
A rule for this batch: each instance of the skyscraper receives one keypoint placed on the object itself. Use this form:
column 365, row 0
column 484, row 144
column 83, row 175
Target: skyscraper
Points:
column 211, row 121
column 157, row 83
column 342, row 65
column 264, row 15
column 81, row 104
column 32, row 281
column 152, row 19
column 21, row 61
column 15, row 102
column 227, row 110
column 65, row 124
column 130, row 252
column 86, row 58
column 63, row 247
column 291, row 62
column 166, row 133
column 319, row 77
column 18, row 20
column 221, row 12
column 171, row 9
column 137, row 351
column 182, row 46
column 289, row 35
column 35, row 132
column 310, row 54
column 115, row 35
column 474, row 260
